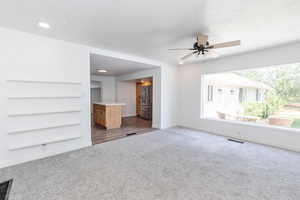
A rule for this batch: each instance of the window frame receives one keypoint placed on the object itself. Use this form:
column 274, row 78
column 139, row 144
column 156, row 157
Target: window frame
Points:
column 226, row 121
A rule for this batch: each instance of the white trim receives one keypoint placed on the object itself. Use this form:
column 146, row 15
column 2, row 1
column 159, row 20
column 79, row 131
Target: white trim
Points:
column 42, row 128
column 44, row 97
column 253, row 124
column 283, row 147
column 42, row 113
column 46, row 82
column 202, row 96
column 58, row 140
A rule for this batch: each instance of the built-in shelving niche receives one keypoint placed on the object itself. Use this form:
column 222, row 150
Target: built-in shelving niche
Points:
column 42, row 112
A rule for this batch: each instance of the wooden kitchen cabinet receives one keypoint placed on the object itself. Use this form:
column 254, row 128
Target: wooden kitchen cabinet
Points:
column 108, row 115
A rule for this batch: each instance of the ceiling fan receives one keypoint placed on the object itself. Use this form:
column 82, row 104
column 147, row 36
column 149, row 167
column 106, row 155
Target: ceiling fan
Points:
column 202, row 46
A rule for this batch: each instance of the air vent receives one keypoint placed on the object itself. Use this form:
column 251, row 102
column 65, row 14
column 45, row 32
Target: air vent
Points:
column 130, row 134
column 234, row 140
column 5, row 189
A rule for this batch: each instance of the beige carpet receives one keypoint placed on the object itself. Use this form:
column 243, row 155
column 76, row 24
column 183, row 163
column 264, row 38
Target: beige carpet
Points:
column 173, row 164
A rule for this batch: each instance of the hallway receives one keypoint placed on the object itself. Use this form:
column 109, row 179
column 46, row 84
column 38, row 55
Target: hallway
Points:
column 130, row 126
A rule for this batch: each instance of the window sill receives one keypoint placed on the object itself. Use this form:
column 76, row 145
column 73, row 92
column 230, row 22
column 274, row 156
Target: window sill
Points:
column 249, row 124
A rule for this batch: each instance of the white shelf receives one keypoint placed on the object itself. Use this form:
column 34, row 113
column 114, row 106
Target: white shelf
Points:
column 43, row 128
column 45, row 97
column 46, row 82
column 42, row 113
column 57, row 140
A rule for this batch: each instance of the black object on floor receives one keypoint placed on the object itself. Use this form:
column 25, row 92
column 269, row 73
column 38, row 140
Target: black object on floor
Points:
column 130, row 134
column 237, row 141
column 5, row 189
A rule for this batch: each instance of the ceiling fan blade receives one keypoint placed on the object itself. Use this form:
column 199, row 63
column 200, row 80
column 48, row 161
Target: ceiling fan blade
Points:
column 226, row 44
column 180, row 49
column 212, row 54
column 202, row 39
column 188, row 55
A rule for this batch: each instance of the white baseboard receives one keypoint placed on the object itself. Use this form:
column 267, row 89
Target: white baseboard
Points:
column 279, row 146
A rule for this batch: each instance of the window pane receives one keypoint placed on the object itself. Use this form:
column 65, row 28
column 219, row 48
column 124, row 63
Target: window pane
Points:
column 269, row 96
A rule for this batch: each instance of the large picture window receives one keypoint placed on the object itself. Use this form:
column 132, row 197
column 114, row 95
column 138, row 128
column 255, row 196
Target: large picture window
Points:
column 267, row 96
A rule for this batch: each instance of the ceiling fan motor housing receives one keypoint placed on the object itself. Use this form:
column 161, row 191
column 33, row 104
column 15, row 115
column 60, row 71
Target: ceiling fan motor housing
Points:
column 200, row 48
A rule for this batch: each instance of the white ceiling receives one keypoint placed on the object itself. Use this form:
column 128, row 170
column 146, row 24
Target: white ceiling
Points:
column 149, row 28
column 115, row 66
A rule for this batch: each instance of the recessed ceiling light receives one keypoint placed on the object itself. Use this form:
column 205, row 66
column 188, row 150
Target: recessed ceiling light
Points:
column 180, row 63
column 44, row 25
column 101, row 70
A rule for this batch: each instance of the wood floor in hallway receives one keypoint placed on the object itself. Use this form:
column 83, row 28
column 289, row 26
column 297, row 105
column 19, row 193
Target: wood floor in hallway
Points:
column 130, row 126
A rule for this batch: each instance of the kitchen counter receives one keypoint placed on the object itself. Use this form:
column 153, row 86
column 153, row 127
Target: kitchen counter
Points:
column 110, row 103
column 108, row 115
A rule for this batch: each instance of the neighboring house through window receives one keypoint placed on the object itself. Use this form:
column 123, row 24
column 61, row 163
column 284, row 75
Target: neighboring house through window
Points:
column 258, row 95
column 241, row 95
column 232, row 91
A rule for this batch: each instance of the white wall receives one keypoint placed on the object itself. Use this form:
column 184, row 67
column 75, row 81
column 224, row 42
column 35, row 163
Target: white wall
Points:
column 57, row 78
column 3, row 111
column 251, row 95
column 96, row 93
column 126, row 93
column 108, row 86
column 169, row 95
column 95, row 96
column 190, row 97
column 56, row 69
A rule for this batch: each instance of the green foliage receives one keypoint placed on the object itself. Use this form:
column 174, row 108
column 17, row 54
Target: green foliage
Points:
column 285, row 80
column 266, row 111
column 271, row 105
column 288, row 88
column 296, row 123
column 253, row 108
column 274, row 103
column 257, row 109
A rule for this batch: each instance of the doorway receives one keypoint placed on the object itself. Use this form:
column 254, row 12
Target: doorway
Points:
column 136, row 97
column 125, row 100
